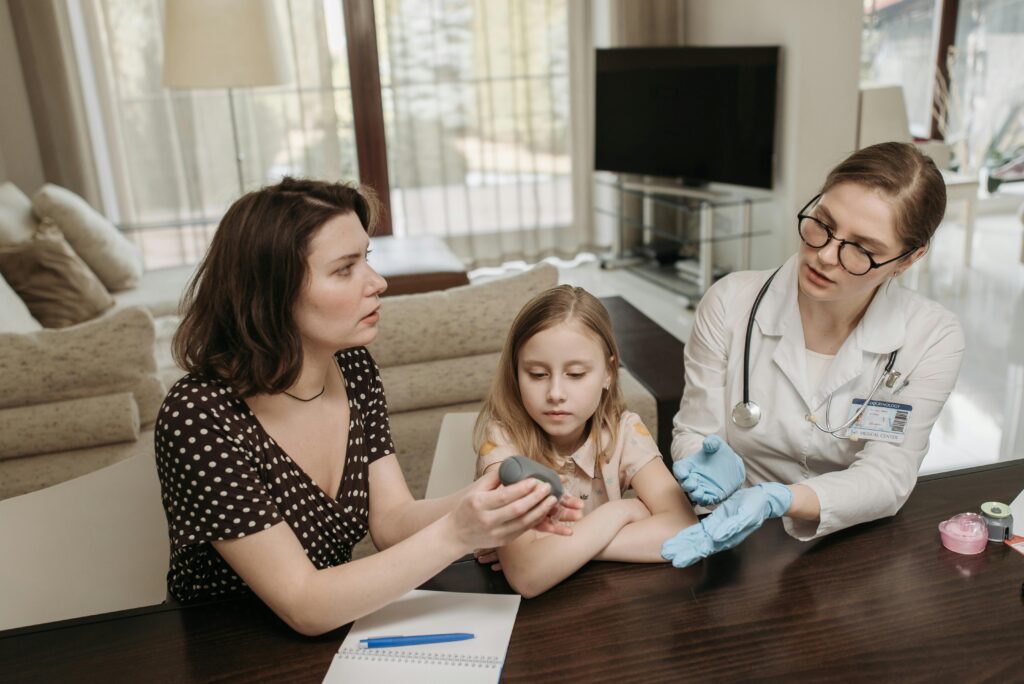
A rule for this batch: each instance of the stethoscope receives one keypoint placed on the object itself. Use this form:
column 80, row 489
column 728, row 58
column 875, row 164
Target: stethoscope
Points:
column 747, row 414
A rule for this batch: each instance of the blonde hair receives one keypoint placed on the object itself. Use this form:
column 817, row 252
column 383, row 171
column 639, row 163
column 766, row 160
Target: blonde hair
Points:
column 504, row 404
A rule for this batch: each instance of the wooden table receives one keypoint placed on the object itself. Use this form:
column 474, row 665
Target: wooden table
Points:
column 882, row 601
column 655, row 358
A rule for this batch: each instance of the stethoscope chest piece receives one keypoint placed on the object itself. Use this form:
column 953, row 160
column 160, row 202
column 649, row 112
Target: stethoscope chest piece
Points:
column 746, row 414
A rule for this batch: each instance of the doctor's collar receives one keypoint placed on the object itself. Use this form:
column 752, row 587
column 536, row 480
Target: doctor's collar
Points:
column 880, row 331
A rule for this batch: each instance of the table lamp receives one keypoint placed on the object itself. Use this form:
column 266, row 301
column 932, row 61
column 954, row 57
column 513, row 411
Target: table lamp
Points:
column 223, row 44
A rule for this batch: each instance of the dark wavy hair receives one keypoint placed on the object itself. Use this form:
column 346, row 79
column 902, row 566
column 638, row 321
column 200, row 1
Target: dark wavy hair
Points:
column 238, row 326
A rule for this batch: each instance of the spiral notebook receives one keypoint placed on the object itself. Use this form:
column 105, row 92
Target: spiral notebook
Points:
column 489, row 617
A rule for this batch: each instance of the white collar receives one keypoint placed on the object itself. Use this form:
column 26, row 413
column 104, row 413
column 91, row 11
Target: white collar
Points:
column 882, row 329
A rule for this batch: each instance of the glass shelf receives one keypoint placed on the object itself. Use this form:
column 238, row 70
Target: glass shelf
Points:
column 692, row 209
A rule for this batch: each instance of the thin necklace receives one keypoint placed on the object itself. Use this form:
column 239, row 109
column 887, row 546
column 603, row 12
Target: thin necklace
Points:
column 310, row 399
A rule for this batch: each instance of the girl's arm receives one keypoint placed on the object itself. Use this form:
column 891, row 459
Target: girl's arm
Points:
column 396, row 515
column 274, row 564
column 640, row 541
column 535, row 562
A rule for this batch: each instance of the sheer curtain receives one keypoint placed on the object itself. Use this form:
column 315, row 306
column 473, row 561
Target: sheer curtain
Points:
column 58, row 117
column 483, row 105
column 170, row 156
column 898, row 48
column 488, row 119
column 987, row 107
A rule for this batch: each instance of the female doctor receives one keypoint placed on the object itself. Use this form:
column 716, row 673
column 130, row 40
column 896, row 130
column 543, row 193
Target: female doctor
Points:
column 819, row 383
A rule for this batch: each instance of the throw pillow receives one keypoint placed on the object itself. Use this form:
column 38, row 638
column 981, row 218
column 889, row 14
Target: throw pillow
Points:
column 16, row 221
column 58, row 288
column 106, row 250
column 14, row 315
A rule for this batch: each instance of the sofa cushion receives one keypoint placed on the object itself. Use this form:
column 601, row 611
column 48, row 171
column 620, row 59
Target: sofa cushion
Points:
column 16, row 221
column 14, row 315
column 415, row 435
column 23, row 475
column 432, row 383
column 55, row 284
column 113, row 353
column 108, row 252
column 70, row 424
column 462, row 321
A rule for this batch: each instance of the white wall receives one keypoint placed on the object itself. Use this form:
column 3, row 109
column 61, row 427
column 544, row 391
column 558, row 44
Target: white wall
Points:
column 819, row 81
column 20, row 162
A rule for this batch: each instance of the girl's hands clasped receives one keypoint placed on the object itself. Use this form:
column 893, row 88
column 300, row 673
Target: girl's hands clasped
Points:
column 492, row 515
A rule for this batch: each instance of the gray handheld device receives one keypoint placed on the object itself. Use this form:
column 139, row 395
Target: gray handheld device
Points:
column 516, row 468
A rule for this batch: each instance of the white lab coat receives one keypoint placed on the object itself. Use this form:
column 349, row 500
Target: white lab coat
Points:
column 855, row 481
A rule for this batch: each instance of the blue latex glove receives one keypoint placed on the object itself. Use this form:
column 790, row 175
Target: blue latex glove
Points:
column 688, row 546
column 729, row 524
column 712, row 474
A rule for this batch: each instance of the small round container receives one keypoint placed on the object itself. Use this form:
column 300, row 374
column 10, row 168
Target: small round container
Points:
column 964, row 533
column 998, row 519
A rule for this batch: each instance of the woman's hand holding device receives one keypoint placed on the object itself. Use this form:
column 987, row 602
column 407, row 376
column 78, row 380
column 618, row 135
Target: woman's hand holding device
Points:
column 517, row 468
column 491, row 515
column 712, row 474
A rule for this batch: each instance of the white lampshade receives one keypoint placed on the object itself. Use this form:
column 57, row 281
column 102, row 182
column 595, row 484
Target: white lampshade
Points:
column 883, row 116
column 222, row 44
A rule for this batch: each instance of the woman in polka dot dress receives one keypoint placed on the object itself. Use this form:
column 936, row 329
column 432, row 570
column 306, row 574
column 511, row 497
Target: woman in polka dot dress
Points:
column 274, row 452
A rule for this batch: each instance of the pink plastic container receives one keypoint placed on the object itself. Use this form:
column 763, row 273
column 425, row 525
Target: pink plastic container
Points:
column 964, row 533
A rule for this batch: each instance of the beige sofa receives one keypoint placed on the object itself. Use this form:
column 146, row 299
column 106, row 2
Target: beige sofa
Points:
column 76, row 399
column 437, row 352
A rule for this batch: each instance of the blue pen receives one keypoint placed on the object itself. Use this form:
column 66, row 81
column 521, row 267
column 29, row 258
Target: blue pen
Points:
column 415, row 640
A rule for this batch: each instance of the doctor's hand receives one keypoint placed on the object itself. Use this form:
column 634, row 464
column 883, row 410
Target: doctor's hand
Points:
column 712, row 474
column 729, row 524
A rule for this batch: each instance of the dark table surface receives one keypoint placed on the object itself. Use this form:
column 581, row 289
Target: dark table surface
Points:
column 882, row 601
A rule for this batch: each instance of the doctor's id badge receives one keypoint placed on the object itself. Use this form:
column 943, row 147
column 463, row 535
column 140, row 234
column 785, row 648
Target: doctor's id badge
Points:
column 885, row 421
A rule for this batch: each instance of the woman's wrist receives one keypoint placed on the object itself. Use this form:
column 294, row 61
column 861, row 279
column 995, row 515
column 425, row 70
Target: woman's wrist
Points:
column 805, row 504
column 449, row 538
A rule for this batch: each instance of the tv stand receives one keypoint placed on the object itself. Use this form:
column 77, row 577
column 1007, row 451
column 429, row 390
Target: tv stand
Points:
column 676, row 190
column 688, row 277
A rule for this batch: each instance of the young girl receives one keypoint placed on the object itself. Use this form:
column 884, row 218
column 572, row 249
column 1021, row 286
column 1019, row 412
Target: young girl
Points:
column 556, row 399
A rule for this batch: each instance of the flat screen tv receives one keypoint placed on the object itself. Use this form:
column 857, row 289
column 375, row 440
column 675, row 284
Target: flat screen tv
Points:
column 703, row 114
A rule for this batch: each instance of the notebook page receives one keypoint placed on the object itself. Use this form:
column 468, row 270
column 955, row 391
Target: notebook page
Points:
column 490, row 617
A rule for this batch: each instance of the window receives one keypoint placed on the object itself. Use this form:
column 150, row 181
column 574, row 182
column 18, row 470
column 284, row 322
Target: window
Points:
column 171, row 152
column 476, row 107
column 987, row 108
column 898, row 48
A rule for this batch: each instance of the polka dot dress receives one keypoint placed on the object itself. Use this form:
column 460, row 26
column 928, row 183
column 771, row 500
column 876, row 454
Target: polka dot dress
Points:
column 223, row 477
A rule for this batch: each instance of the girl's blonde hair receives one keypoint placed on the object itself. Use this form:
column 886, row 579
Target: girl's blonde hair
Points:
column 504, row 404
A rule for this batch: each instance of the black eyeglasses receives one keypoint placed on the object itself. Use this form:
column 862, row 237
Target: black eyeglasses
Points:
column 856, row 261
